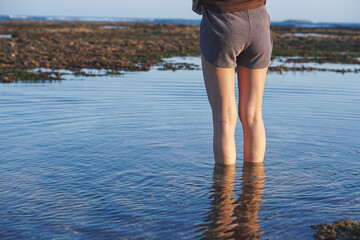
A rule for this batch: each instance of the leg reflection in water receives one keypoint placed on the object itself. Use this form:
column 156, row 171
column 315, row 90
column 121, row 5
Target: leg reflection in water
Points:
column 232, row 217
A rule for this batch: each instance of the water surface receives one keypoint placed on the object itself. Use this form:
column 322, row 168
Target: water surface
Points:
column 129, row 157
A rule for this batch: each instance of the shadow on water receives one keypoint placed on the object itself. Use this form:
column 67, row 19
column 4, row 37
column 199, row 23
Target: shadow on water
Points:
column 232, row 215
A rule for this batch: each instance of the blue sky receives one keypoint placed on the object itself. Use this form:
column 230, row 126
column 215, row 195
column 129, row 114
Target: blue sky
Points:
column 313, row 10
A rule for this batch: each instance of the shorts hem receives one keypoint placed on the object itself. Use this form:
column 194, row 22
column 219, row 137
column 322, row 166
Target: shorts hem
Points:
column 253, row 67
column 217, row 65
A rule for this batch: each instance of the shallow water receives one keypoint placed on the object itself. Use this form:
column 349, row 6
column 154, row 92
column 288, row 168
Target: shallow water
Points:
column 282, row 61
column 310, row 34
column 129, row 157
column 5, row 35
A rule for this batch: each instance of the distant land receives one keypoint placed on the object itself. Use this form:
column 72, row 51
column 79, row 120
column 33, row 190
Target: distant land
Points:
column 290, row 22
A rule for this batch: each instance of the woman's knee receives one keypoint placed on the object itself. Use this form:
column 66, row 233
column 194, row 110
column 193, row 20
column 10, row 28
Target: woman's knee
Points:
column 225, row 120
column 251, row 120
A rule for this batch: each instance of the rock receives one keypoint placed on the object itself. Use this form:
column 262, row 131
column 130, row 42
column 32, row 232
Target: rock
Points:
column 344, row 229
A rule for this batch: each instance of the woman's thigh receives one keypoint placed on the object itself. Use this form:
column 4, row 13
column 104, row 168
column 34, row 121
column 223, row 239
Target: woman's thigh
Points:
column 251, row 84
column 220, row 88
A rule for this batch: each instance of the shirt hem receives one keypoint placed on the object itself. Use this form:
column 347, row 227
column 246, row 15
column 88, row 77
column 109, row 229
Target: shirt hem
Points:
column 241, row 7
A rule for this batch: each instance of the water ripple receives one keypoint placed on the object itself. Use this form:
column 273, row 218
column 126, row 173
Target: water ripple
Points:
column 130, row 158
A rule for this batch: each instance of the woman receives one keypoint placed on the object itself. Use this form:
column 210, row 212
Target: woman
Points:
column 235, row 33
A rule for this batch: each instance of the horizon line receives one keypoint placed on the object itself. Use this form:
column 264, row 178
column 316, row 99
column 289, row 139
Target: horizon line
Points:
column 154, row 18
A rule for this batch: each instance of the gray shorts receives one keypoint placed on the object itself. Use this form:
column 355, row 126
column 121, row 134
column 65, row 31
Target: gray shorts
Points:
column 242, row 38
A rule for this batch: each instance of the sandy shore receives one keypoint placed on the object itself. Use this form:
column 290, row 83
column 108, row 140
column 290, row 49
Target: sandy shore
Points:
column 136, row 47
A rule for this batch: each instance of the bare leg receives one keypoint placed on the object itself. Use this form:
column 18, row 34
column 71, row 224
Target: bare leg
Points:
column 220, row 88
column 251, row 89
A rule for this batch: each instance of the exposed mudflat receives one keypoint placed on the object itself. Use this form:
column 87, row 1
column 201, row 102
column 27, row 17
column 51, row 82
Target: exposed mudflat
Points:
column 138, row 46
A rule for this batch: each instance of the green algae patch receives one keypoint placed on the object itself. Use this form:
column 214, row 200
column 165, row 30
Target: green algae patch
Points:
column 178, row 66
column 344, row 229
column 84, row 74
column 13, row 75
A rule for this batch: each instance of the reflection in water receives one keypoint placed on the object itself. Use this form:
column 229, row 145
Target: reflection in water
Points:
column 231, row 218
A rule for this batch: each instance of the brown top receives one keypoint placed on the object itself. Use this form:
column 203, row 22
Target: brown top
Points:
column 226, row 6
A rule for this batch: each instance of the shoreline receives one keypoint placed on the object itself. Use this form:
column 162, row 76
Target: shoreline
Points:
column 124, row 46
